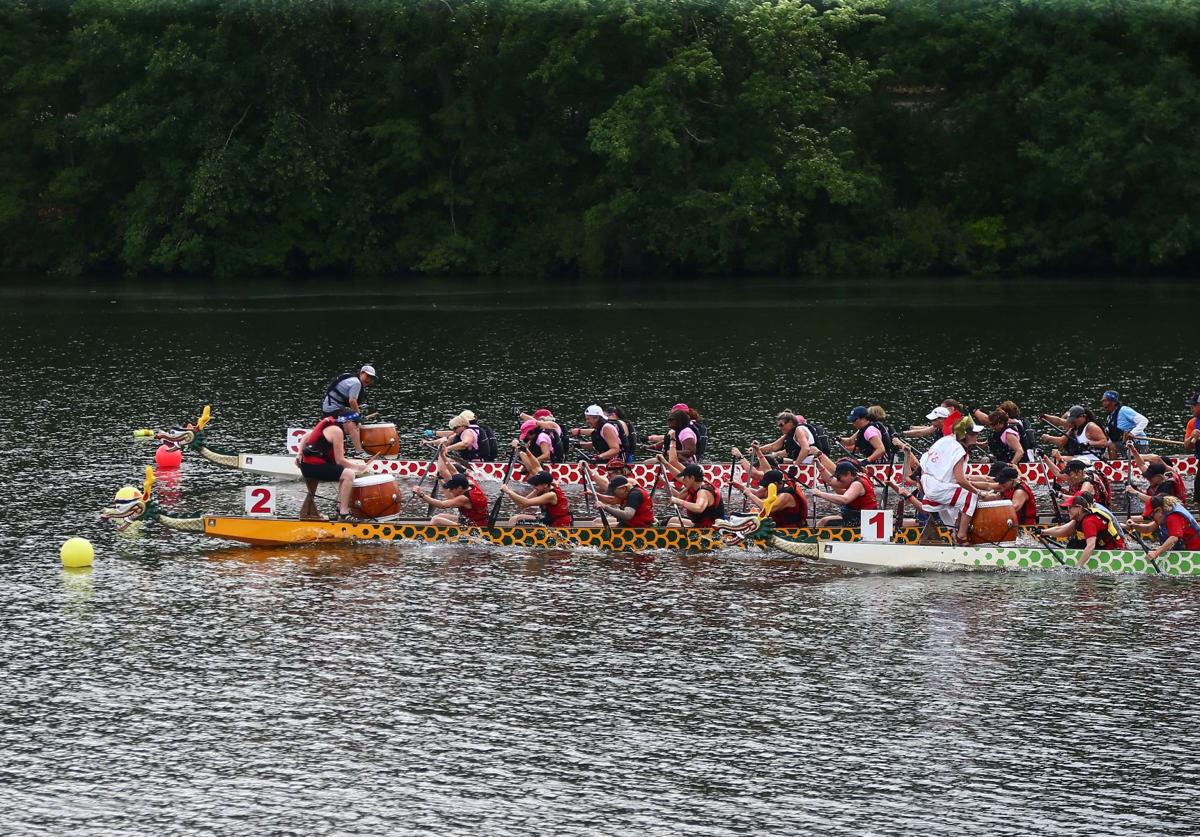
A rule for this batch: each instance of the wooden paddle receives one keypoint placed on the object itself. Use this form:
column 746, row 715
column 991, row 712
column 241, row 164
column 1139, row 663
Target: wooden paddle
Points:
column 667, row 483
column 587, row 481
column 1163, row 441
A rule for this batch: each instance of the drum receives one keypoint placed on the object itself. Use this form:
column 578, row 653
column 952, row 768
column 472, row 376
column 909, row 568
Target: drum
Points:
column 995, row 521
column 380, row 439
column 375, row 496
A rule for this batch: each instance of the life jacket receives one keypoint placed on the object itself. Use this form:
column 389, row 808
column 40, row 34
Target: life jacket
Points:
column 631, row 441
column 1190, row 540
column 998, row 449
column 820, row 437
column 1027, row 515
column 710, row 515
column 644, row 516
column 1111, row 536
column 314, row 447
column 867, row 500
column 1174, row 485
column 485, row 446
column 1028, row 438
column 331, row 391
column 600, row 444
column 558, row 452
column 701, row 431
column 791, row 447
column 1115, row 434
column 864, row 447
column 477, row 513
column 1102, row 483
column 1077, row 443
column 559, row 512
column 797, row 515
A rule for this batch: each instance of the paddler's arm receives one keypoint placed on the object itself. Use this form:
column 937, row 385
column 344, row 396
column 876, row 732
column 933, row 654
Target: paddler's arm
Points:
column 763, row 464
column 1096, row 437
column 1061, row 531
column 806, row 450
column 960, row 476
column 339, row 452
column 1057, row 421
column 459, row 502
column 745, row 489
column 613, row 438
column 1087, row 551
column 1165, row 546
column 528, row 461
column 918, row 432
column 980, row 417
column 1129, row 489
column 462, row 443
column 622, row 514
column 877, row 450
column 673, row 468
column 846, row 498
column 526, row 502
column 698, row 505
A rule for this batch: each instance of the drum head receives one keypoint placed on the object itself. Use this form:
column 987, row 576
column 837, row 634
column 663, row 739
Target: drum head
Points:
column 372, row 479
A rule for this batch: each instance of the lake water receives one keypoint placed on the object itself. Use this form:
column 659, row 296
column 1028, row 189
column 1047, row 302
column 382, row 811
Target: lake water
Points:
column 183, row 686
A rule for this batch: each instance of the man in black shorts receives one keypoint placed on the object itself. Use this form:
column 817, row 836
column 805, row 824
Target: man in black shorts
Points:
column 322, row 458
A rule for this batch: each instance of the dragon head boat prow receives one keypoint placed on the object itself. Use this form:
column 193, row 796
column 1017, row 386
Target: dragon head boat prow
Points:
column 130, row 506
column 192, row 436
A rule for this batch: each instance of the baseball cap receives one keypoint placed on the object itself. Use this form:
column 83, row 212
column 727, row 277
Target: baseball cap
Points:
column 615, row 483
column 1111, row 395
column 1075, row 465
column 1075, row 412
column 543, row 414
column 680, row 406
column 844, row 468
column 1155, row 469
column 939, row 412
column 457, row 481
column 771, row 476
column 975, row 428
column 526, row 426
column 693, row 471
column 1080, row 499
column 594, row 410
column 540, row 478
column 857, row 413
column 369, row 369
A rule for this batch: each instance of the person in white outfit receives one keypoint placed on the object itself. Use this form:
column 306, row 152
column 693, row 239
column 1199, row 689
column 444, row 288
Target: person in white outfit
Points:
column 944, row 478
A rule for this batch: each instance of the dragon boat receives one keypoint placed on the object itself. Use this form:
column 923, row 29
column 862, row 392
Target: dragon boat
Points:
column 193, row 437
column 840, row 546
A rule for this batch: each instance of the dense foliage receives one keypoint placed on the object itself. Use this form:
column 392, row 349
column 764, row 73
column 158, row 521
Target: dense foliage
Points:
column 599, row 136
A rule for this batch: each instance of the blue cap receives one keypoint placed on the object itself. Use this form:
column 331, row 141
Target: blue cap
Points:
column 1111, row 395
column 857, row 413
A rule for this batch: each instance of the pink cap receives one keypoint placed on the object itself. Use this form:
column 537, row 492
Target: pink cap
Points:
column 799, row 419
column 542, row 413
column 527, row 426
column 683, row 407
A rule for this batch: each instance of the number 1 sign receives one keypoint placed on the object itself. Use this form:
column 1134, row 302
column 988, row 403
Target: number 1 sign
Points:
column 260, row 501
column 877, row 525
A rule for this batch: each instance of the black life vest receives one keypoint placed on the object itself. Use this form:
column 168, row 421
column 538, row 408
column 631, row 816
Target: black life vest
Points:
column 820, row 437
column 600, row 444
column 701, row 431
column 1110, row 427
column 486, row 446
column 332, row 393
column 1000, row 451
column 631, row 441
column 865, row 448
column 790, row 446
column 315, row 448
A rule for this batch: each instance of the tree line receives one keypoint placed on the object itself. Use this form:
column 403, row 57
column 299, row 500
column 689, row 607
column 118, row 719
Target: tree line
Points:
column 599, row 137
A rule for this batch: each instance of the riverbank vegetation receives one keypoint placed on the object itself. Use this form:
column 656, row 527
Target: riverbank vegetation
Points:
column 599, row 136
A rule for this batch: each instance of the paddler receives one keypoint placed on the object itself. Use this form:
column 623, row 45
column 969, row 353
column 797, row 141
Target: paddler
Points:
column 1163, row 482
column 1122, row 424
column 1174, row 525
column 944, row 482
column 1191, row 440
column 1011, row 487
column 463, row 493
column 796, row 439
column 869, row 439
column 466, row 438
column 943, row 417
column 629, row 503
column 604, row 436
column 791, row 506
column 1083, row 438
column 322, row 458
column 537, row 440
column 343, row 397
column 1091, row 525
column 699, row 499
column 1004, row 444
column 853, row 492
column 546, row 496
column 547, row 423
column 682, row 442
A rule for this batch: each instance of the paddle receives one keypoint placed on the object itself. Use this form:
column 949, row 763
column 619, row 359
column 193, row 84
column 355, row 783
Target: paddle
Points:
column 587, row 481
column 1044, row 541
column 1137, row 537
column 508, row 469
column 667, row 483
column 732, row 473
column 1163, row 441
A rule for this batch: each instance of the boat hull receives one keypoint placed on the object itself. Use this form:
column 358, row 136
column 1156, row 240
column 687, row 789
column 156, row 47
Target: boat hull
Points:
column 892, row 557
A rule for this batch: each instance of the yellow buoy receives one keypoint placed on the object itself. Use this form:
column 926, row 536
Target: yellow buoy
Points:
column 77, row 552
column 144, row 433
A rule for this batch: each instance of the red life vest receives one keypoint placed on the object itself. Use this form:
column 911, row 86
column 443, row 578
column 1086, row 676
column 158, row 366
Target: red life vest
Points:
column 559, row 512
column 477, row 513
column 795, row 515
column 644, row 516
column 867, row 500
column 715, row 510
column 1027, row 515
column 315, row 449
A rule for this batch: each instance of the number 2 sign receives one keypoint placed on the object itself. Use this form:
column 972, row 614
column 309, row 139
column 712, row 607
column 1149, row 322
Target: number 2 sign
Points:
column 877, row 525
column 260, row 501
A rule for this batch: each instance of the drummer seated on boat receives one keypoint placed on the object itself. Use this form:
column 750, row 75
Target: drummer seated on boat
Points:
column 852, row 491
column 322, row 458
column 1010, row 486
column 698, row 498
column 462, row 494
column 342, row 400
column 1091, row 526
column 944, row 482
column 791, row 506
column 546, row 497
column 626, row 501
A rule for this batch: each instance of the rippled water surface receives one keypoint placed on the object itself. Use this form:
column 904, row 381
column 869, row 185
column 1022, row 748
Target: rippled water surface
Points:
column 183, row 686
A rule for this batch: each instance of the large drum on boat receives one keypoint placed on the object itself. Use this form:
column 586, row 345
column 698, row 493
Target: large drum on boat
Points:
column 380, row 439
column 995, row 521
column 376, row 496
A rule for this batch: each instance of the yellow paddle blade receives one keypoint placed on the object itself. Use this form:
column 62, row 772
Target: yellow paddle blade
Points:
column 769, row 503
column 148, row 485
column 205, row 417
